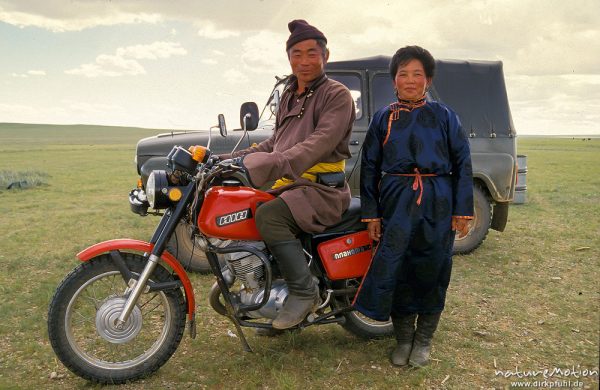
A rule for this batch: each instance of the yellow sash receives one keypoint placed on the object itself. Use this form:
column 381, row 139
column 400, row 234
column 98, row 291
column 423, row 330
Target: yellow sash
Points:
column 311, row 173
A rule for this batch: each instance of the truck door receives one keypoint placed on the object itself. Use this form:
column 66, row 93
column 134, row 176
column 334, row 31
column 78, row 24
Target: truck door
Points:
column 355, row 82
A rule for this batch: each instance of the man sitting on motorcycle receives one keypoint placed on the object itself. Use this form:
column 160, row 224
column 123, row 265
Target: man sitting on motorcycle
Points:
column 313, row 125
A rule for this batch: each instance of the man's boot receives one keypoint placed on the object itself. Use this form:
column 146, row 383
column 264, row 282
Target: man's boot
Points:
column 404, row 330
column 426, row 326
column 303, row 292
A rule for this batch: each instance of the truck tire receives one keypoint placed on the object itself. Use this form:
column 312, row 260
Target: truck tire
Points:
column 479, row 226
column 182, row 247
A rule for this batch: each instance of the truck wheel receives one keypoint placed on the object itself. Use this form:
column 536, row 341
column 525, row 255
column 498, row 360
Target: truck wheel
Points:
column 182, row 247
column 479, row 226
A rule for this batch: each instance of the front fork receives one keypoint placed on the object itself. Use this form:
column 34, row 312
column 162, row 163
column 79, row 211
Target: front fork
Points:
column 161, row 237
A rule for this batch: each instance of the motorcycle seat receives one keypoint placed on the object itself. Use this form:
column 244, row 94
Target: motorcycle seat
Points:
column 350, row 219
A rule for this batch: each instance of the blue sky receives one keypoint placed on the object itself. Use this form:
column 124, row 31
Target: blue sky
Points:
column 176, row 65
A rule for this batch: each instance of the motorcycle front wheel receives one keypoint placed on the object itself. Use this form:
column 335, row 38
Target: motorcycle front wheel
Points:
column 82, row 315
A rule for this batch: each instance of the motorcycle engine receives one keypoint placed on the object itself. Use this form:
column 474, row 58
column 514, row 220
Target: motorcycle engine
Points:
column 246, row 267
column 250, row 271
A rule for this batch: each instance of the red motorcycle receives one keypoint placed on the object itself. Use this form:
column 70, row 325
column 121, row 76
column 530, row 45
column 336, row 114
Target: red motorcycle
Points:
column 121, row 314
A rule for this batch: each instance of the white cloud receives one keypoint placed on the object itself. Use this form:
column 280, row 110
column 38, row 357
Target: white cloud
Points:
column 218, row 52
column 552, row 104
column 124, row 62
column 16, row 112
column 76, row 22
column 111, row 66
column 234, row 76
column 264, row 52
column 29, row 73
column 152, row 51
column 209, row 30
column 209, row 61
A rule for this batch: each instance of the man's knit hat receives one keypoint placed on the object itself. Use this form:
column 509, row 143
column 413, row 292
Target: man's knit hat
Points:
column 300, row 31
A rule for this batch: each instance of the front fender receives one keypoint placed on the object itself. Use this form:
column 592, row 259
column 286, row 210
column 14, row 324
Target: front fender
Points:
column 143, row 246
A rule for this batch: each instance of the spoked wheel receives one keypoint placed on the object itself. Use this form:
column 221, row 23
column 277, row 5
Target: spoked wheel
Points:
column 362, row 325
column 82, row 322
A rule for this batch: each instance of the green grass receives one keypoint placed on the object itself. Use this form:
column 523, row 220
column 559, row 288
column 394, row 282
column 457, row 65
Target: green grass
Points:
column 528, row 298
column 11, row 180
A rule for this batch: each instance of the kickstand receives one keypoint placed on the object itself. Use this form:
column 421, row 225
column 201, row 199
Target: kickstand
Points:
column 238, row 328
column 214, row 265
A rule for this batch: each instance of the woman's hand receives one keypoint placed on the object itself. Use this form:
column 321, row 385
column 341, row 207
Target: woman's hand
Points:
column 374, row 229
column 461, row 225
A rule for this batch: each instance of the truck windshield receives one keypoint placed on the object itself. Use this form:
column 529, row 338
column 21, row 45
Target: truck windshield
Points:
column 270, row 109
column 353, row 83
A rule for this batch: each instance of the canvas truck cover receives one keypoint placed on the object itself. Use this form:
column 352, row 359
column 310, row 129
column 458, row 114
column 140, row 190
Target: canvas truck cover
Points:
column 474, row 89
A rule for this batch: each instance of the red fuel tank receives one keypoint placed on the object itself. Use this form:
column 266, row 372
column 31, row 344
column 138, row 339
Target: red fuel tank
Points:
column 228, row 212
column 346, row 257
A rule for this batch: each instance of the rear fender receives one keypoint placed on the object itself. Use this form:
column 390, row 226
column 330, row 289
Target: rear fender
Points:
column 498, row 172
column 142, row 246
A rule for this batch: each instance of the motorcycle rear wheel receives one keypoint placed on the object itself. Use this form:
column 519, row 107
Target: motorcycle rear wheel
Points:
column 362, row 325
column 81, row 322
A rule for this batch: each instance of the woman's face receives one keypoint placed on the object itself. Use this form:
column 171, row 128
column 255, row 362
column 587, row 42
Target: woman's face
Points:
column 411, row 81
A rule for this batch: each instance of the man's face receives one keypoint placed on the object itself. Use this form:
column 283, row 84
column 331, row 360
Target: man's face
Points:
column 307, row 61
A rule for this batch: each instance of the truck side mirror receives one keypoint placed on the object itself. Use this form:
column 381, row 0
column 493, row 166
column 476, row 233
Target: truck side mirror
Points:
column 275, row 102
column 222, row 127
column 249, row 116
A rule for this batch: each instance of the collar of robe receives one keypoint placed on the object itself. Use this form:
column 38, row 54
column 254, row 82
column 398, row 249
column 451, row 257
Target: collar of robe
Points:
column 306, row 95
column 310, row 89
column 408, row 105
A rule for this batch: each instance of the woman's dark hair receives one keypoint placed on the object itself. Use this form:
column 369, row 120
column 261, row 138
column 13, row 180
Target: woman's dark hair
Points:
column 407, row 53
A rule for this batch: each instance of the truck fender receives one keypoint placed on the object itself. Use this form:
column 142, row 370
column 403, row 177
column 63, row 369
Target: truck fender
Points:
column 497, row 171
column 143, row 246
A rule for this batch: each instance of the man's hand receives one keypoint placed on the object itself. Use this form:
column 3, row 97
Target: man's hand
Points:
column 374, row 229
column 460, row 225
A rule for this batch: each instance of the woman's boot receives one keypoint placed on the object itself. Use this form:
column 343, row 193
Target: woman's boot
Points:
column 404, row 329
column 303, row 295
column 426, row 326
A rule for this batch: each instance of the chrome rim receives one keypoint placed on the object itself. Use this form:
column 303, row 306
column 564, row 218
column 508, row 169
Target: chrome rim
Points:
column 106, row 321
column 90, row 324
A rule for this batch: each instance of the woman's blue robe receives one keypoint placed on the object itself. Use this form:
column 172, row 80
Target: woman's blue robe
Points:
column 411, row 267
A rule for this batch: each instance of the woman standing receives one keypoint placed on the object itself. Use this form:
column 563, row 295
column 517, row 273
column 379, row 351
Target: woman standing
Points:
column 416, row 190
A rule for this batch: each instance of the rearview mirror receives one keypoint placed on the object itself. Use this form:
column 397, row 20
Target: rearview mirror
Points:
column 249, row 116
column 222, row 127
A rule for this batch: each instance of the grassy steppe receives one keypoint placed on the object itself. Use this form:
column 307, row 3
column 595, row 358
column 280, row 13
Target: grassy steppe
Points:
column 526, row 300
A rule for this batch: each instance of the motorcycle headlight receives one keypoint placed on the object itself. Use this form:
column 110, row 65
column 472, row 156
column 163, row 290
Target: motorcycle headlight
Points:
column 160, row 192
column 157, row 189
